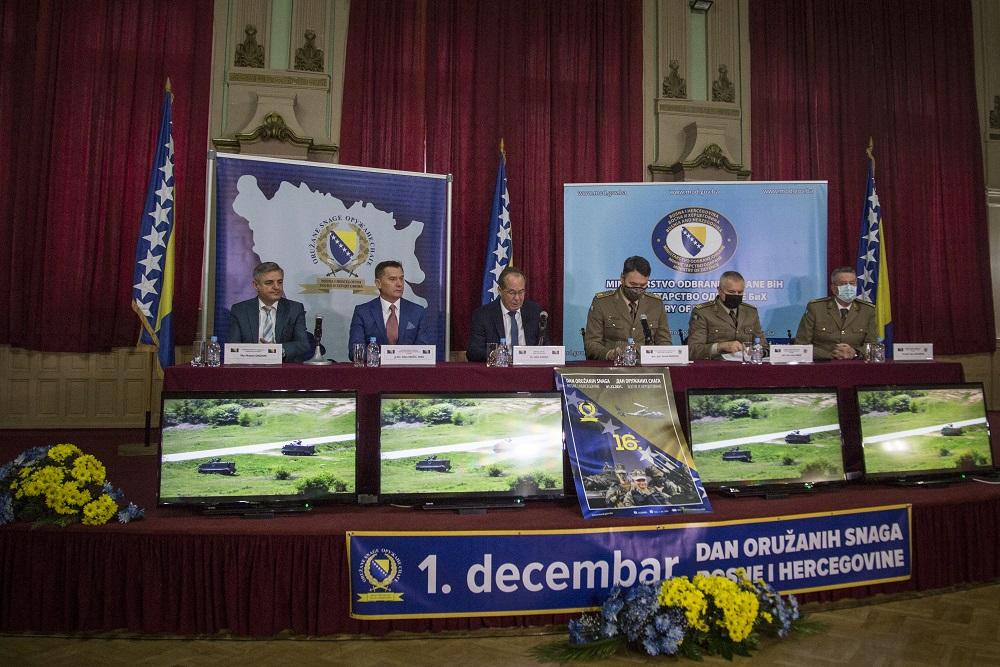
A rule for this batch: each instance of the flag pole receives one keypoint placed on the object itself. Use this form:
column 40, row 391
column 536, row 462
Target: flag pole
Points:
column 870, row 152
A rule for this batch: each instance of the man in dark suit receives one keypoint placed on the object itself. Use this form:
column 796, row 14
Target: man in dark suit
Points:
column 270, row 318
column 510, row 316
column 390, row 318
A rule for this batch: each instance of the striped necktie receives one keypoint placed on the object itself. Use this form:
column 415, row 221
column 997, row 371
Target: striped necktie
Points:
column 268, row 334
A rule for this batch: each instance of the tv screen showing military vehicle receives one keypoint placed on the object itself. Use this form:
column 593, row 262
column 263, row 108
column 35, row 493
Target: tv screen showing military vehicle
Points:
column 257, row 446
column 455, row 446
column 924, row 431
column 744, row 439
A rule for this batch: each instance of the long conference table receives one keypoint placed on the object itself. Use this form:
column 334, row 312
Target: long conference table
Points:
column 178, row 572
column 369, row 383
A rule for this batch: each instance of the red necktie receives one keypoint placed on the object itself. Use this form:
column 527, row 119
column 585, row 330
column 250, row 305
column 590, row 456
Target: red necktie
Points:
column 392, row 326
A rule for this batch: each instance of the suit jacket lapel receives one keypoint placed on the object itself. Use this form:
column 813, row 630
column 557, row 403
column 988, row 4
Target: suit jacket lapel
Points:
column 280, row 315
column 496, row 318
column 379, row 322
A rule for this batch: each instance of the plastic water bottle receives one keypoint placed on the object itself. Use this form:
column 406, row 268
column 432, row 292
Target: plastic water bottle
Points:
column 630, row 357
column 214, row 353
column 372, row 354
column 756, row 351
column 503, row 354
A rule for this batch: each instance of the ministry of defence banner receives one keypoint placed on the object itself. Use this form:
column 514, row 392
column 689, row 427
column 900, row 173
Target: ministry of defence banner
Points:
column 328, row 226
column 626, row 448
column 496, row 573
column 773, row 233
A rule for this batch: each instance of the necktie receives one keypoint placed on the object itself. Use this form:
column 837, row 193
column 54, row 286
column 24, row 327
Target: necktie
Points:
column 633, row 307
column 267, row 336
column 733, row 317
column 514, row 340
column 392, row 326
column 843, row 315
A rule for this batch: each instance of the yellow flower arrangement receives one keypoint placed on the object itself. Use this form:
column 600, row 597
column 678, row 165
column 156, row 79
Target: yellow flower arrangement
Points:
column 60, row 484
column 694, row 616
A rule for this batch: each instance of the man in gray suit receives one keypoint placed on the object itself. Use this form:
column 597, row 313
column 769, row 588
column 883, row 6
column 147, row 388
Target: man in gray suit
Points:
column 270, row 318
column 838, row 326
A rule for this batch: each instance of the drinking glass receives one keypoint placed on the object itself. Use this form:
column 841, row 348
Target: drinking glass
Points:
column 358, row 354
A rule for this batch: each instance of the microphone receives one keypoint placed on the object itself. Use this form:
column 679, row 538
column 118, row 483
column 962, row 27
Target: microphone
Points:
column 318, row 331
column 543, row 322
column 647, row 332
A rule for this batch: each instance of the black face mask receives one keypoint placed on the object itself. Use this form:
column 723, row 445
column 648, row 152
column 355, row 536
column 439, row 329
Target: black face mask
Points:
column 732, row 301
column 632, row 293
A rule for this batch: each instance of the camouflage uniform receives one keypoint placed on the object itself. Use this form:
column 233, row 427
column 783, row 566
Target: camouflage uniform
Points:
column 822, row 327
column 711, row 324
column 610, row 323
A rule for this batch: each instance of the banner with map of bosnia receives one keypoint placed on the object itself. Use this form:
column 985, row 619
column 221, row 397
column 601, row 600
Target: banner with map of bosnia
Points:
column 774, row 233
column 626, row 447
column 328, row 226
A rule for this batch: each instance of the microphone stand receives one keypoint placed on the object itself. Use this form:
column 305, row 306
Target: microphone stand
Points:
column 317, row 358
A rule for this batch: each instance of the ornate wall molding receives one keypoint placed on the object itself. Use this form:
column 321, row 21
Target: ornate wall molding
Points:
column 673, row 85
column 249, row 53
column 273, row 128
column 722, row 88
column 308, row 58
column 320, row 82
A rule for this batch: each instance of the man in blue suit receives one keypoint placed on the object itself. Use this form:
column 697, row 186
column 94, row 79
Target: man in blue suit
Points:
column 390, row 318
column 270, row 318
column 511, row 317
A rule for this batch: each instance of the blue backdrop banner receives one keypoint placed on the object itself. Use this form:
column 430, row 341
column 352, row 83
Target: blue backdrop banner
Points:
column 772, row 233
column 409, row 575
column 328, row 226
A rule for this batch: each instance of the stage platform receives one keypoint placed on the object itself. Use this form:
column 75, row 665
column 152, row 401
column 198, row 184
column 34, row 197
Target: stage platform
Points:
column 180, row 573
column 177, row 572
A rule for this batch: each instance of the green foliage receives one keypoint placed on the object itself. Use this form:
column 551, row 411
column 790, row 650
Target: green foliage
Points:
column 494, row 470
column 321, row 484
column 281, row 473
column 458, row 418
column 437, row 414
column 245, row 419
column 818, row 470
column 970, row 459
column 737, row 408
column 787, row 461
column 223, row 415
column 759, row 412
column 898, row 403
column 944, row 451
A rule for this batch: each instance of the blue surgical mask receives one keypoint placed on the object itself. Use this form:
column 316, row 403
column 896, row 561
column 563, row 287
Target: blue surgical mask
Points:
column 847, row 292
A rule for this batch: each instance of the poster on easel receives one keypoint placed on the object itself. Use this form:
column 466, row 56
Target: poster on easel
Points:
column 626, row 447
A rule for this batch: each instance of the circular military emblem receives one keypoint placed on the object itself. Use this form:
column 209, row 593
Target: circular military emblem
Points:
column 342, row 246
column 380, row 568
column 694, row 240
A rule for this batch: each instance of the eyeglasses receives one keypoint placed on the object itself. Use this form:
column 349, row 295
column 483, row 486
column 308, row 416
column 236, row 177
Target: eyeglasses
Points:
column 510, row 292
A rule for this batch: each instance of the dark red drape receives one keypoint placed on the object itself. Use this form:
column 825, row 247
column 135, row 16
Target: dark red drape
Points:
column 81, row 87
column 560, row 82
column 825, row 77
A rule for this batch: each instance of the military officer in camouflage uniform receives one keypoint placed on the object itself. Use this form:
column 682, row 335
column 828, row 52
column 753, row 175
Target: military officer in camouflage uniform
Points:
column 616, row 315
column 641, row 494
column 725, row 324
column 838, row 326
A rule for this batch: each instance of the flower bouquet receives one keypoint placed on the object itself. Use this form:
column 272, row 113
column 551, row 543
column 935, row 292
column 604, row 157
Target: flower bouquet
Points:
column 62, row 485
column 711, row 615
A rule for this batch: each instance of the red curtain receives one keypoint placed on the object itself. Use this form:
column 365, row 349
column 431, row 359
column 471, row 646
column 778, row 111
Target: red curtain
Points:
column 560, row 82
column 826, row 76
column 81, row 86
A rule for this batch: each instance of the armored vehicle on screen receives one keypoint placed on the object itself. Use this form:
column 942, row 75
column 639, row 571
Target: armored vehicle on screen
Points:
column 951, row 430
column 737, row 454
column 296, row 448
column 798, row 438
column 218, row 467
column 433, row 464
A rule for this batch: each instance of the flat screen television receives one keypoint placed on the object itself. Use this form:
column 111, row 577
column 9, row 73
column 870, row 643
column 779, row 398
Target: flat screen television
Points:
column 257, row 450
column 913, row 433
column 758, row 441
column 455, row 450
